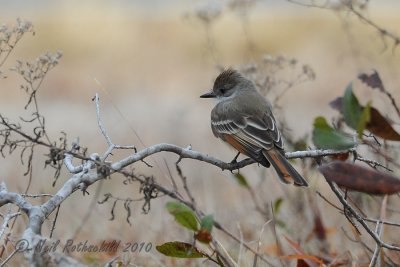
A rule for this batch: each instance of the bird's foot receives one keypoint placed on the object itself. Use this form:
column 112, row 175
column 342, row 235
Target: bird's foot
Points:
column 234, row 161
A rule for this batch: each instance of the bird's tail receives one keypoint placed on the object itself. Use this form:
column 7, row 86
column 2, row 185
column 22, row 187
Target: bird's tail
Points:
column 283, row 168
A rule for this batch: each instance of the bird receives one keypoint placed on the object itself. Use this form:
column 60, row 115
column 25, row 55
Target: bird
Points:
column 243, row 118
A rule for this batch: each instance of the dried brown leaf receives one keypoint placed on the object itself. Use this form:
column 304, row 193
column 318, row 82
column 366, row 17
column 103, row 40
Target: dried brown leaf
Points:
column 358, row 178
column 302, row 263
column 336, row 104
column 341, row 156
column 380, row 127
column 319, row 227
column 372, row 80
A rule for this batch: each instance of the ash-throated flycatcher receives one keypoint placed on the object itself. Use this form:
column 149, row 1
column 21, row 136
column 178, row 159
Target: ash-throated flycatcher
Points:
column 243, row 118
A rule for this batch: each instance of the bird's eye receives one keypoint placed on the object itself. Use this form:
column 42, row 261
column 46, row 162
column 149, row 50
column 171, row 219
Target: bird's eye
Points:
column 223, row 91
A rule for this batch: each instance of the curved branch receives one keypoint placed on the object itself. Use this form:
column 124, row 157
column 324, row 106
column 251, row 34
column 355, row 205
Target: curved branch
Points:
column 192, row 154
column 15, row 198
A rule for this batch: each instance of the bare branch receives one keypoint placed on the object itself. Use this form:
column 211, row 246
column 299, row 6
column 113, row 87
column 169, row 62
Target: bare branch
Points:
column 36, row 196
column 360, row 219
column 6, row 220
column 315, row 153
column 382, row 221
column 372, row 163
column 68, row 163
column 380, row 29
column 311, row 4
column 8, row 197
column 378, row 230
column 354, row 8
column 192, row 154
column 111, row 145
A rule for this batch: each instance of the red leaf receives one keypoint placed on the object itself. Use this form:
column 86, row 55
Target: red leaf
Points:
column 355, row 177
column 203, row 236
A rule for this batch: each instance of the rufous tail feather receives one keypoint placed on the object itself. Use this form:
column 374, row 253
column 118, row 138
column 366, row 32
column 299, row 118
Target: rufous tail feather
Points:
column 286, row 172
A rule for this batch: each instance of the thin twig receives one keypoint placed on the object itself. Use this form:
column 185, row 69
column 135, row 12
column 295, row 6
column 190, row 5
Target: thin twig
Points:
column 185, row 185
column 312, row 4
column 377, row 250
column 8, row 258
column 359, row 218
column 382, row 221
column 380, row 29
column 89, row 210
column 239, row 257
column 372, row 163
column 174, row 185
column 6, row 220
column 100, row 123
column 111, row 145
column 277, row 241
column 37, row 195
column 328, row 201
column 53, row 227
column 259, row 242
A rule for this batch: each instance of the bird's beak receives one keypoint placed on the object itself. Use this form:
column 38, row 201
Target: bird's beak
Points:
column 208, row 95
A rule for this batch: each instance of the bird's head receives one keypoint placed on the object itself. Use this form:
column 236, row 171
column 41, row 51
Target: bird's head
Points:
column 226, row 84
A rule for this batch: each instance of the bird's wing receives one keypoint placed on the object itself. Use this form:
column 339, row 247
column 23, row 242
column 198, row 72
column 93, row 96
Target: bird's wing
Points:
column 248, row 134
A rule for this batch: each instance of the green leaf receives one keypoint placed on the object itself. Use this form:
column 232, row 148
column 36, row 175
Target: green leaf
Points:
column 183, row 215
column 325, row 137
column 179, row 250
column 207, row 223
column 241, row 180
column 277, row 205
column 365, row 118
column 352, row 110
